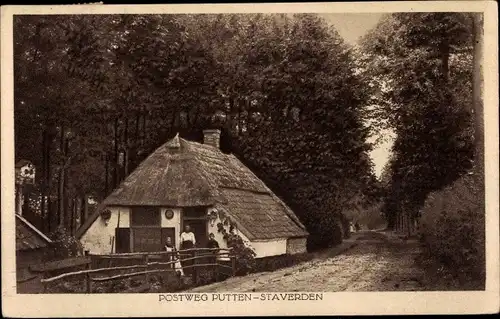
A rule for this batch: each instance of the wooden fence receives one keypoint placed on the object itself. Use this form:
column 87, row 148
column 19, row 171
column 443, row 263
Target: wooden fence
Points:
column 218, row 259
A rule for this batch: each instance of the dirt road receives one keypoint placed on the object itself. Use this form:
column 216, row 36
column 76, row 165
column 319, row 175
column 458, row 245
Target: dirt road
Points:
column 376, row 262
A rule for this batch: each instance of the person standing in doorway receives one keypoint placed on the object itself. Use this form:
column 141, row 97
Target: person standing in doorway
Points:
column 188, row 241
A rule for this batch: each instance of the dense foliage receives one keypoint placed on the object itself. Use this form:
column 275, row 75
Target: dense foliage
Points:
column 425, row 69
column 453, row 230
column 63, row 245
column 422, row 67
column 96, row 94
column 244, row 255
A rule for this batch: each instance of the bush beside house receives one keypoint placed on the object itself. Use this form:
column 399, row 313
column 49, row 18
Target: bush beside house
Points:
column 63, row 245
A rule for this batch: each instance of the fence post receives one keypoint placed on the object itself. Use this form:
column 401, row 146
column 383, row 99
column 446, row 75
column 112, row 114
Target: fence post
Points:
column 216, row 269
column 88, row 280
column 194, row 268
column 233, row 264
column 44, row 283
column 146, row 262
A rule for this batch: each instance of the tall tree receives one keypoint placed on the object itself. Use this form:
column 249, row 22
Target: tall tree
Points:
column 424, row 63
column 477, row 86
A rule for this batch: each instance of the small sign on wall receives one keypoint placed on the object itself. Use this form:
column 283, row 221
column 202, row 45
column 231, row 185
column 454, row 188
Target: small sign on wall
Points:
column 169, row 214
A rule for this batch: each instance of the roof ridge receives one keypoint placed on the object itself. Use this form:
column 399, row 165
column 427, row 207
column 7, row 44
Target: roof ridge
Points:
column 197, row 143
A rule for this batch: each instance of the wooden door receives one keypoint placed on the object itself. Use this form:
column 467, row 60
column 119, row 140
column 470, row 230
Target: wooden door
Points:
column 122, row 236
column 199, row 228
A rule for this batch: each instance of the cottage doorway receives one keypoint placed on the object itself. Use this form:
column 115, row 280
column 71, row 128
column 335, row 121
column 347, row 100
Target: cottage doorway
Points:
column 199, row 228
column 195, row 217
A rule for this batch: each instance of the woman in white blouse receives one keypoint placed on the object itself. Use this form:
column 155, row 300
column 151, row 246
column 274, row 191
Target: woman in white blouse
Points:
column 188, row 240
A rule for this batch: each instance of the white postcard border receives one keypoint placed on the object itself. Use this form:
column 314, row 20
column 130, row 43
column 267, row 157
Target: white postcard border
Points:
column 145, row 305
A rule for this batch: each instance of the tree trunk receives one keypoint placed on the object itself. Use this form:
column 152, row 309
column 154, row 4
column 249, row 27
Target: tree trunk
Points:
column 71, row 211
column 173, row 120
column 60, row 198
column 50, row 214
column 20, row 200
column 126, row 151
column 66, row 200
column 137, row 122
column 115, row 156
column 477, row 25
column 143, row 125
column 444, row 52
column 241, row 107
column 230, row 114
column 106, row 182
column 74, row 215
column 79, row 212
column 46, row 226
column 85, row 209
column 60, row 190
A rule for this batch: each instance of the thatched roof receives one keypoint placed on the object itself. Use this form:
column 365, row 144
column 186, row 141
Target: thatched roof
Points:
column 28, row 237
column 183, row 173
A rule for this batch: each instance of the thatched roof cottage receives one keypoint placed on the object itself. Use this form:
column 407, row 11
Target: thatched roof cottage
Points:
column 185, row 182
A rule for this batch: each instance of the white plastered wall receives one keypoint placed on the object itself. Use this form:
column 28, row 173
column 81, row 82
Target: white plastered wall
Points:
column 266, row 248
column 98, row 239
column 175, row 222
column 262, row 248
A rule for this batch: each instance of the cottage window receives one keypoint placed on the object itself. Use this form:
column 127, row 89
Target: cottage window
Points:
column 145, row 216
column 145, row 223
column 194, row 213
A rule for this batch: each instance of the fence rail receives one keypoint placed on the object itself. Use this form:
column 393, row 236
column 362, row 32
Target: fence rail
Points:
column 194, row 255
column 153, row 253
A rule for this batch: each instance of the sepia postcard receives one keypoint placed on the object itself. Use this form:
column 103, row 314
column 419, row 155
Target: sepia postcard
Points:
column 250, row 159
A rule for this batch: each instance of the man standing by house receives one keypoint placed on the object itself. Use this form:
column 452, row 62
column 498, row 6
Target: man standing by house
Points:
column 212, row 243
column 212, row 259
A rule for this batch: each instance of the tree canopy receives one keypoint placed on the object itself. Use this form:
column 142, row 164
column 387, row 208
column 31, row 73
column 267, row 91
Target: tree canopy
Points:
column 94, row 95
column 421, row 70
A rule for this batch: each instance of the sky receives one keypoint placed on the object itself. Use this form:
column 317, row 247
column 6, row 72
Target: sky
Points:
column 352, row 26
